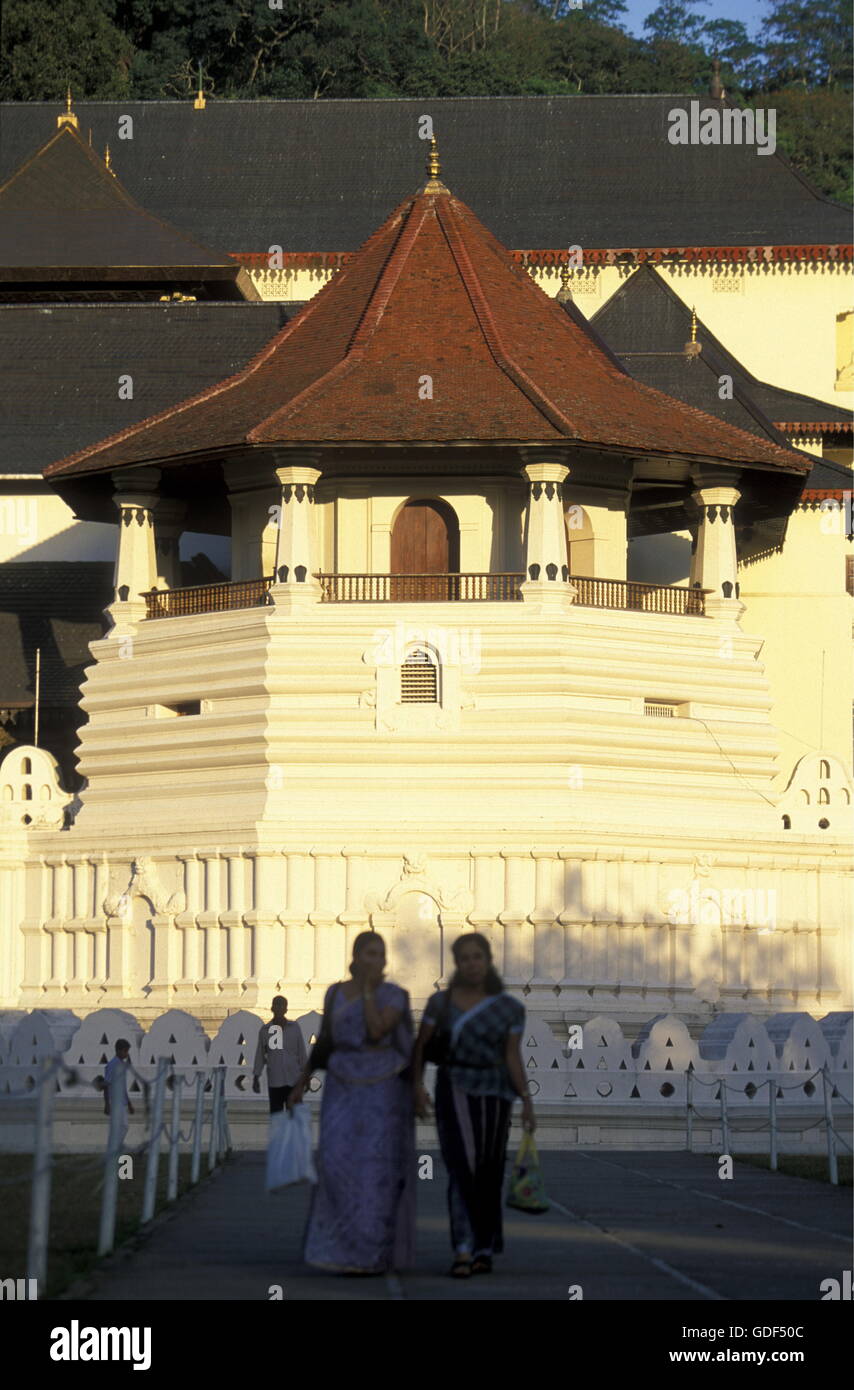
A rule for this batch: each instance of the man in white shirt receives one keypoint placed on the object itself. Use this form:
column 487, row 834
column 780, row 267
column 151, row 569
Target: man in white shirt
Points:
column 282, row 1051
column 121, row 1064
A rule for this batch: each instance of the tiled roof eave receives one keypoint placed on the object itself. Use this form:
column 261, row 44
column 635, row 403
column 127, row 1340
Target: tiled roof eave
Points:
column 814, row 426
column 595, row 256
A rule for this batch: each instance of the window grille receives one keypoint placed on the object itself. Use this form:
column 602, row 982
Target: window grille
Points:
column 419, row 680
column 658, row 710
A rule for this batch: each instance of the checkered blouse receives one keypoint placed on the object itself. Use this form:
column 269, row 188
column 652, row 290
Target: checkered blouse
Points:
column 478, row 1042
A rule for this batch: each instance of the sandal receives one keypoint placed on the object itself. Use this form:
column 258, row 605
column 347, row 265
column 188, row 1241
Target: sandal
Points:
column 461, row 1268
column 482, row 1265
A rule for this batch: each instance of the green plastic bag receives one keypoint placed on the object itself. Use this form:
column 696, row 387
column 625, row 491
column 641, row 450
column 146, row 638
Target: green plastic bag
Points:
column 526, row 1181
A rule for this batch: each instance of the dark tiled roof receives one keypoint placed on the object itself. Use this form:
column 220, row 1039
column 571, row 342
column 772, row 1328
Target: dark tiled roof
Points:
column 57, row 607
column 645, row 316
column 433, row 292
column 827, row 476
column 63, row 212
column 59, row 367
column 598, row 171
column 647, row 326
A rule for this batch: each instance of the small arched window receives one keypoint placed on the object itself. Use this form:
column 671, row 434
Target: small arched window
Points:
column 419, row 679
column 823, row 797
column 26, row 766
column 823, row 769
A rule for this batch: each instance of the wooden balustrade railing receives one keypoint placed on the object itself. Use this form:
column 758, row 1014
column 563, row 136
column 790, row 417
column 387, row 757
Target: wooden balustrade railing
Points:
column 637, row 597
column 419, row 588
column 207, row 598
column 427, row 588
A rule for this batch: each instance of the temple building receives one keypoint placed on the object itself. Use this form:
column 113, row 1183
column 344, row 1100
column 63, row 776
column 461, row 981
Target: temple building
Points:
column 417, row 584
column 428, row 694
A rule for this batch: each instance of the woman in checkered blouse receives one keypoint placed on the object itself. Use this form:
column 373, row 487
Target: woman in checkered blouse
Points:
column 475, row 1090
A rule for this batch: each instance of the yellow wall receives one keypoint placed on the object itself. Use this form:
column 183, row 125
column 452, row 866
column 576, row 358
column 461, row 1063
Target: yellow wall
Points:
column 798, row 602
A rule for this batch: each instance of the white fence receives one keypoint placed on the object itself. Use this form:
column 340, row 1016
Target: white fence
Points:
column 606, row 1070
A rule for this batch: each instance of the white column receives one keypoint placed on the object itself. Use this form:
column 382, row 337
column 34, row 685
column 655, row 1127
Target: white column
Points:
column 517, row 965
column 299, row 956
column 548, row 934
column 263, row 920
column 208, row 921
column 546, row 582
column 136, row 560
column 295, row 587
column 329, row 932
column 714, row 563
column 354, row 917
column 186, row 924
column 168, row 527
column 232, row 921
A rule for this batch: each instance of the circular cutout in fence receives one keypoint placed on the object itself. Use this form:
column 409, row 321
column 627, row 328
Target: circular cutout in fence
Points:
column 533, row 1087
column 604, row 1088
column 809, row 1088
column 667, row 1089
column 750, row 1090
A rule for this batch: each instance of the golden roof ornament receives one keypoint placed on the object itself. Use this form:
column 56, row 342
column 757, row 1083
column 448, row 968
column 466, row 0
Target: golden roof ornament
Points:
column 564, row 294
column 693, row 349
column 199, row 103
column 716, row 87
column 108, row 161
column 434, row 183
column 67, row 117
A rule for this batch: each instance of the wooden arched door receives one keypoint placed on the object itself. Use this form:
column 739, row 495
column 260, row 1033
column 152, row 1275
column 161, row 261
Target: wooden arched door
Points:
column 425, row 541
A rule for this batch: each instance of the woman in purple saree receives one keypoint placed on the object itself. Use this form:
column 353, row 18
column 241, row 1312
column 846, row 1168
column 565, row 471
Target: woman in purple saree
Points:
column 362, row 1218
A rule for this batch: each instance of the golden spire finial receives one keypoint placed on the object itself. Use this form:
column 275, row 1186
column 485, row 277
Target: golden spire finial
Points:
column 199, row 103
column 564, row 294
column 434, row 168
column 434, row 183
column 67, row 117
column 693, row 349
column 108, row 161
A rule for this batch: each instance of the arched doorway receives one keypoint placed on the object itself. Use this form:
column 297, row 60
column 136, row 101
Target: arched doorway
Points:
column 425, row 541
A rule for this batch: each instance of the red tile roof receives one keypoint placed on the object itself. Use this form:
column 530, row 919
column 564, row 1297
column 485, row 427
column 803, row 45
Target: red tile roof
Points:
column 432, row 293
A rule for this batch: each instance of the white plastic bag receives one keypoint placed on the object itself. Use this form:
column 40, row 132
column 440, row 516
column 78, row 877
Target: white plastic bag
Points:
column 289, row 1157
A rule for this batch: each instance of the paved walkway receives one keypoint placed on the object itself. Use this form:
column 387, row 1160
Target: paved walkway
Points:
column 640, row 1226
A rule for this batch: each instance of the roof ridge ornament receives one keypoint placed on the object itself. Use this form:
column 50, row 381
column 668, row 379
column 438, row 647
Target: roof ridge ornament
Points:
column 434, row 183
column 716, row 89
column 199, row 103
column 108, row 161
column 693, row 348
column 67, row 117
column 564, row 294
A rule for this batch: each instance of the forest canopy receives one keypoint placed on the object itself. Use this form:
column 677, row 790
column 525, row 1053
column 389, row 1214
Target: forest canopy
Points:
column 315, row 49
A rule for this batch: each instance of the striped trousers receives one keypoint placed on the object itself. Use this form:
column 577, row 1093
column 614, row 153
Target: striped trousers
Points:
column 473, row 1132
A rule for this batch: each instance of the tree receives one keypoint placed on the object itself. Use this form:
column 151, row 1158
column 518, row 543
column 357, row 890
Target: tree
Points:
column 729, row 40
column 675, row 22
column 808, row 43
column 48, row 45
column 608, row 12
column 814, row 132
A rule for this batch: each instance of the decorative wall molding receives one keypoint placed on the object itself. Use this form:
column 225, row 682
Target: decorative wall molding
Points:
column 144, row 882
